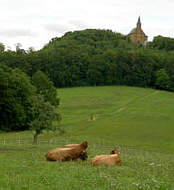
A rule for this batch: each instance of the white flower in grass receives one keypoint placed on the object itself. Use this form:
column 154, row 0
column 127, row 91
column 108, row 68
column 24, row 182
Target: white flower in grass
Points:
column 136, row 184
column 159, row 165
column 154, row 180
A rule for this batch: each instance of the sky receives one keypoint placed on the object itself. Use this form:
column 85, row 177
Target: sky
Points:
column 33, row 23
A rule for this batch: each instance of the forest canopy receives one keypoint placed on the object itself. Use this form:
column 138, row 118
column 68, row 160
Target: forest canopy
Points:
column 97, row 57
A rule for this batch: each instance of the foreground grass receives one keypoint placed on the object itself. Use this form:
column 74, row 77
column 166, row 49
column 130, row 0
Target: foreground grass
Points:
column 23, row 166
column 137, row 121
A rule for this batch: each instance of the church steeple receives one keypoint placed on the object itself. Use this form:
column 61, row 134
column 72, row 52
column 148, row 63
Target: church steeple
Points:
column 139, row 24
column 139, row 21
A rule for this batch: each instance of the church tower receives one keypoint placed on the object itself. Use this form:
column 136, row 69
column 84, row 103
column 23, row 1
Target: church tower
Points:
column 137, row 35
column 139, row 23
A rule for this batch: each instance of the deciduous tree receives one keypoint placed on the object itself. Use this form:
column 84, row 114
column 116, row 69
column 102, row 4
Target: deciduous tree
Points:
column 46, row 117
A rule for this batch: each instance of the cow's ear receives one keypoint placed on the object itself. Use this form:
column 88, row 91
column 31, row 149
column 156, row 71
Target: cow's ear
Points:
column 85, row 144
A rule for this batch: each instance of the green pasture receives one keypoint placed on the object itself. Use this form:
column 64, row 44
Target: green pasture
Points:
column 138, row 117
column 137, row 121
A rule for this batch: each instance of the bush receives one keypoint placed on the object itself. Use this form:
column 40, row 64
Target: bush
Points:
column 162, row 80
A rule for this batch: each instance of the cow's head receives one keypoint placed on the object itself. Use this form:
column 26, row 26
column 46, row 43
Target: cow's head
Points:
column 115, row 151
column 84, row 144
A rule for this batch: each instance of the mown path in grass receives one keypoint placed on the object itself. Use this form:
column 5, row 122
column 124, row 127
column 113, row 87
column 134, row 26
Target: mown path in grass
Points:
column 128, row 115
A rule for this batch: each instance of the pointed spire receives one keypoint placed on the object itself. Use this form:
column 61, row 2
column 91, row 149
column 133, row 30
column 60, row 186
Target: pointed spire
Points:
column 139, row 21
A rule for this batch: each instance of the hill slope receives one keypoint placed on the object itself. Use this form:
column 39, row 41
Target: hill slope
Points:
column 125, row 115
column 130, row 119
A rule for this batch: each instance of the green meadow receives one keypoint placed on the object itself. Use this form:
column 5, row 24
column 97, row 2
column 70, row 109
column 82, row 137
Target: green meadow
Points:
column 137, row 121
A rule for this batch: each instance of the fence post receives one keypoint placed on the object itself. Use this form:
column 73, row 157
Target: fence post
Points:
column 4, row 141
column 19, row 141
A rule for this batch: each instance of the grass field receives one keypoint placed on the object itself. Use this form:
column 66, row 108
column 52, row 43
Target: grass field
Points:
column 137, row 121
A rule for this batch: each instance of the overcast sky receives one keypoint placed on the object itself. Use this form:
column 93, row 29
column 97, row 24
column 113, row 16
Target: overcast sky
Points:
column 34, row 22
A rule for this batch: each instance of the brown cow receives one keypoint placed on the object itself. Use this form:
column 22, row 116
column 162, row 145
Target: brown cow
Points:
column 83, row 156
column 66, row 154
column 107, row 160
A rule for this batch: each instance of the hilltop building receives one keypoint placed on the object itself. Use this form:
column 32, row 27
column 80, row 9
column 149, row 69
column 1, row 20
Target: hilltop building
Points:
column 137, row 35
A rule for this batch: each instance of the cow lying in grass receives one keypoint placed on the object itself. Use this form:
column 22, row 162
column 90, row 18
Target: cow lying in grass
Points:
column 66, row 154
column 107, row 160
column 83, row 155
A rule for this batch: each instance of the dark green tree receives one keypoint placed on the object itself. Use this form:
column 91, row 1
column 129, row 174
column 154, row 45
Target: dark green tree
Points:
column 2, row 47
column 162, row 79
column 45, row 87
column 16, row 94
column 162, row 43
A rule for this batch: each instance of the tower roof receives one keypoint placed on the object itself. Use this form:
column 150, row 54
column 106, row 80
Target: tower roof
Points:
column 139, row 21
column 132, row 31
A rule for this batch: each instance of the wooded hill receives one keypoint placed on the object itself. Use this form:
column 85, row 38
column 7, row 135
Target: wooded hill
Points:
column 99, row 57
column 81, row 58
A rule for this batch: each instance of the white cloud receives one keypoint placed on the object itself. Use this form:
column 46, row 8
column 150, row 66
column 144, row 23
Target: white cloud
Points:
column 78, row 23
column 56, row 27
column 16, row 32
column 35, row 22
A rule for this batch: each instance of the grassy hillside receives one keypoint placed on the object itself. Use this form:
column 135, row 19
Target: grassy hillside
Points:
column 137, row 121
column 130, row 116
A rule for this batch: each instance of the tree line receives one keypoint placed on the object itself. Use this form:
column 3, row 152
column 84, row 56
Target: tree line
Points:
column 98, row 57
